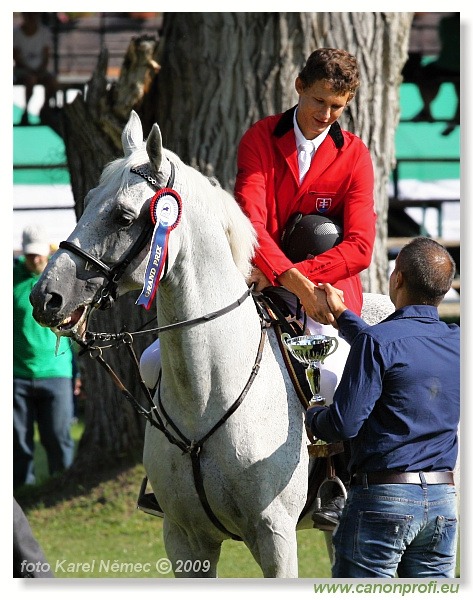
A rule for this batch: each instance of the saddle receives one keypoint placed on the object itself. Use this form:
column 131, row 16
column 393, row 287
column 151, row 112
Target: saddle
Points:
column 274, row 310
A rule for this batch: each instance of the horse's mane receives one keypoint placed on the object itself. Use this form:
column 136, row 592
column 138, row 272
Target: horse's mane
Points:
column 238, row 228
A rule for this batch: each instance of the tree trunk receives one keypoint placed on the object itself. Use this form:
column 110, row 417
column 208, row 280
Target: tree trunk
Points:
column 220, row 72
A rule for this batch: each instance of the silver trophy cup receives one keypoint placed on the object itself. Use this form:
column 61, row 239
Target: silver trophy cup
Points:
column 310, row 350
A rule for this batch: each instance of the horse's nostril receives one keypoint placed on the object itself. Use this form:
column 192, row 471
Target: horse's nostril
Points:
column 53, row 301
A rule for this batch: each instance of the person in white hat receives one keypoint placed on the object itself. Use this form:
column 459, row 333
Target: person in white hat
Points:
column 42, row 378
column 36, row 248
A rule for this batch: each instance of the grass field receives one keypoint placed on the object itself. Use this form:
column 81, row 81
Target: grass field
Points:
column 99, row 533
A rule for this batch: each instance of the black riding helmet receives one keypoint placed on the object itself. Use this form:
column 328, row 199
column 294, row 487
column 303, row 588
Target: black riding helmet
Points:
column 309, row 235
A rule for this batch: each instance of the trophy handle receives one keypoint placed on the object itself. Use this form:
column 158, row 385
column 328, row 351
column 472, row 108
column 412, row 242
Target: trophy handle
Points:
column 285, row 337
column 335, row 346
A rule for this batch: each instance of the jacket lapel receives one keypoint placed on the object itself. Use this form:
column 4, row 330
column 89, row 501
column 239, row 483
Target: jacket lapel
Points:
column 285, row 141
column 324, row 157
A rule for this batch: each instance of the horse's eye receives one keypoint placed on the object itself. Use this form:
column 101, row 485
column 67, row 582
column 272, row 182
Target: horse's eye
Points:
column 126, row 219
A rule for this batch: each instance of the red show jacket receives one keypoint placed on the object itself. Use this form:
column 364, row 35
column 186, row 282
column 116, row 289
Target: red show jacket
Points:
column 338, row 185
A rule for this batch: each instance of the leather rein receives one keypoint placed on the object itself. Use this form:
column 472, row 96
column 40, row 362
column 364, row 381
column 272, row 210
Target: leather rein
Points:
column 107, row 295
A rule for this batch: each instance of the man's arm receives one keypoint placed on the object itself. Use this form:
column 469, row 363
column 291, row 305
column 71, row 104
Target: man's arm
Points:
column 355, row 397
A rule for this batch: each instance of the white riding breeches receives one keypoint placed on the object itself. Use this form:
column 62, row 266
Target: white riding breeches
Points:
column 150, row 364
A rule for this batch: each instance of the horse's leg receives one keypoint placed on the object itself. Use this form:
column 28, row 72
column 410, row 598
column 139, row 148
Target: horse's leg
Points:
column 196, row 558
column 275, row 546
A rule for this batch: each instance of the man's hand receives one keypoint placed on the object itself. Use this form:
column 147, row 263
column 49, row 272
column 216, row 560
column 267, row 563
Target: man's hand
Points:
column 316, row 306
column 334, row 298
column 259, row 279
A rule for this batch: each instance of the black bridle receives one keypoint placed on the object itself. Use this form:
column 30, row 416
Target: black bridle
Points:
column 108, row 293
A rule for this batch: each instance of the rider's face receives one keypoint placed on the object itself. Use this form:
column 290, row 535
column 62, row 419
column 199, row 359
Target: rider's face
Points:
column 318, row 107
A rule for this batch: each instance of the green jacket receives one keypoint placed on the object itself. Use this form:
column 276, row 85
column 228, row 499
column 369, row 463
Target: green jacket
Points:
column 34, row 346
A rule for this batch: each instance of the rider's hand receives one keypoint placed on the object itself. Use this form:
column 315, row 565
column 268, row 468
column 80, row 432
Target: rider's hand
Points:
column 313, row 300
column 316, row 306
column 259, row 279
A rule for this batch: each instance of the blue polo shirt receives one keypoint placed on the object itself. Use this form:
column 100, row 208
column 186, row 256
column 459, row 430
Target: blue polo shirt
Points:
column 398, row 401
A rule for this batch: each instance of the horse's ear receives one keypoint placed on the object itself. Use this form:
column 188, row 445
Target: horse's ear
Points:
column 132, row 135
column 154, row 147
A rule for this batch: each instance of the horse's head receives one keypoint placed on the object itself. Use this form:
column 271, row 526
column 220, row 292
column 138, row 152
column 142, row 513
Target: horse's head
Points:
column 105, row 255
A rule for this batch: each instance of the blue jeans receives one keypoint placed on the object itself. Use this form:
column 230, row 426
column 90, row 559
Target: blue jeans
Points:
column 406, row 529
column 50, row 403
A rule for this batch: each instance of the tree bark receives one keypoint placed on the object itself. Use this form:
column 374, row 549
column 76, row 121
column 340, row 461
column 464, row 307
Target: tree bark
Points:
column 220, row 72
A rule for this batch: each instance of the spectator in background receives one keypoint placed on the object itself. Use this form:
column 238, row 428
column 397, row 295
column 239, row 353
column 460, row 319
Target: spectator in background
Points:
column 445, row 67
column 42, row 377
column 410, row 71
column 32, row 44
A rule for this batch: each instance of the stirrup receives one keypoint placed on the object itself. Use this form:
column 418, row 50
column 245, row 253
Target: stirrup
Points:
column 147, row 501
column 337, row 481
column 324, row 523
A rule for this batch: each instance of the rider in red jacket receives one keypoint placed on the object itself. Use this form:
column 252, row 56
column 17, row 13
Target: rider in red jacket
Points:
column 301, row 161
column 339, row 185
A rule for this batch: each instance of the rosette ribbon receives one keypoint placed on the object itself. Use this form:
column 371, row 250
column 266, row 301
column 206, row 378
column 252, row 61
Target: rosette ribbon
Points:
column 165, row 209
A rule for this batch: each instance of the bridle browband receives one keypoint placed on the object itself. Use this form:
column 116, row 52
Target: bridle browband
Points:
column 108, row 293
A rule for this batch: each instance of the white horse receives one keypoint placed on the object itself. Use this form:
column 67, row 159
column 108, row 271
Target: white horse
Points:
column 255, row 465
column 240, row 467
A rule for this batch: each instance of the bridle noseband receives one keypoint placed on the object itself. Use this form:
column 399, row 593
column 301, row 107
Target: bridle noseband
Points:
column 109, row 292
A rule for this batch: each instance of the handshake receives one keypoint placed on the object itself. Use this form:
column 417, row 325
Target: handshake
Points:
column 334, row 299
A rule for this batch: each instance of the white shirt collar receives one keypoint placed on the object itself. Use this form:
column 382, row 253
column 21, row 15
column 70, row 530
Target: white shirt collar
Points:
column 300, row 139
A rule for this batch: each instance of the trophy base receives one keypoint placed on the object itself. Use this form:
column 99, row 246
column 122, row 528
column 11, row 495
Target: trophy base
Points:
column 325, row 450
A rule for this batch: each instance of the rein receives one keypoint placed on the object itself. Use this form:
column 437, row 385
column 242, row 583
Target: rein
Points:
column 196, row 321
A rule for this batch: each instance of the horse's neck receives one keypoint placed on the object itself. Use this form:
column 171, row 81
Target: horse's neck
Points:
column 205, row 366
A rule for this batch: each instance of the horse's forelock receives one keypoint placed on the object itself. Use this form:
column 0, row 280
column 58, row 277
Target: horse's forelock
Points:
column 117, row 172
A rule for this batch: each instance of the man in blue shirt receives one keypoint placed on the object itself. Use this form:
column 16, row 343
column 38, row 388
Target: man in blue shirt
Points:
column 398, row 403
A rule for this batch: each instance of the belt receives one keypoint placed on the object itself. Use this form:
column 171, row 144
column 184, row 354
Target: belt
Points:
column 431, row 477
